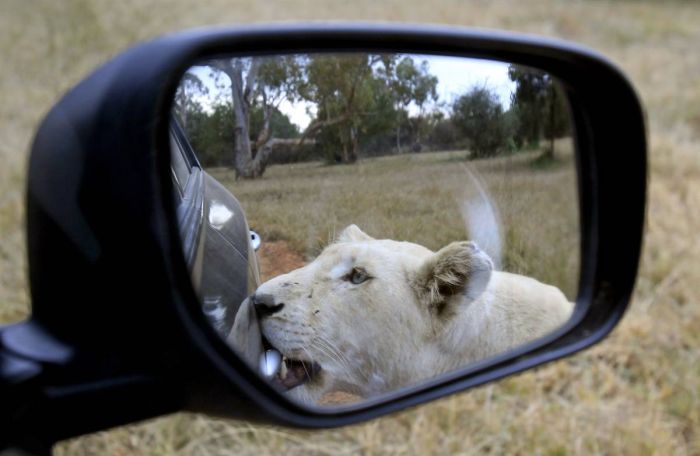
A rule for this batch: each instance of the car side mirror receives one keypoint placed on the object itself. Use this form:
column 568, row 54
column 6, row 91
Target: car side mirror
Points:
column 147, row 294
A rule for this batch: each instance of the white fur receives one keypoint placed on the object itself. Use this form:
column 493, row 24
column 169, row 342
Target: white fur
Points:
column 402, row 325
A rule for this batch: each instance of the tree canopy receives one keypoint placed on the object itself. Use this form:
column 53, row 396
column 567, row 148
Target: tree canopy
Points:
column 540, row 107
column 478, row 114
column 339, row 106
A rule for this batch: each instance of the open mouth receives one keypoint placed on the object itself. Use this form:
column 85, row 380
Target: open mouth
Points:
column 290, row 372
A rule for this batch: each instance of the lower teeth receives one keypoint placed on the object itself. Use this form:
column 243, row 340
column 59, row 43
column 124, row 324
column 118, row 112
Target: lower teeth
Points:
column 283, row 368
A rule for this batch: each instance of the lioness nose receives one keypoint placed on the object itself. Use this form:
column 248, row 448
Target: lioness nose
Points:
column 265, row 304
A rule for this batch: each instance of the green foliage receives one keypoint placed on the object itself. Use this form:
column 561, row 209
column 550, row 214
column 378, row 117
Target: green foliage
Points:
column 353, row 101
column 445, row 135
column 258, row 86
column 211, row 135
column 558, row 123
column 362, row 99
column 280, row 124
column 528, row 103
column 540, row 107
column 342, row 92
column 512, row 124
column 279, row 77
column 186, row 95
column 479, row 116
column 411, row 83
column 358, row 104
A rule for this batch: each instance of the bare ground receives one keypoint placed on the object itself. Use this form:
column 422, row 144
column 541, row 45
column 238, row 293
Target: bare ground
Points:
column 277, row 257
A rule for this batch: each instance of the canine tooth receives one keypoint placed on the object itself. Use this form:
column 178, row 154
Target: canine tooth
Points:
column 270, row 362
column 283, row 370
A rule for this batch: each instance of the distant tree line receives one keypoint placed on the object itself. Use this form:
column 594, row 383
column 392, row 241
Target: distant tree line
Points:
column 358, row 105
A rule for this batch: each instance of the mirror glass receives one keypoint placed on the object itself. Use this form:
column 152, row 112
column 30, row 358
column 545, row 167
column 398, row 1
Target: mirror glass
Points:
column 357, row 223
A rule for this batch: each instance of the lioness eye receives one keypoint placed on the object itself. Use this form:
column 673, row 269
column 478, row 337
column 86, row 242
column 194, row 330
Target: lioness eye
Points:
column 357, row 276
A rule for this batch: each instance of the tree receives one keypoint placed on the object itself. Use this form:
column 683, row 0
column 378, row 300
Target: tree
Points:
column 274, row 121
column 210, row 134
column 257, row 83
column 527, row 101
column 411, row 84
column 478, row 114
column 441, row 131
column 558, row 122
column 186, row 97
column 349, row 97
column 541, row 108
column 347, row 91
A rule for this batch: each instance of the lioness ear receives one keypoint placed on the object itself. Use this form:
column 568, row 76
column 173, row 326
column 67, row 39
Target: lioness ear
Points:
column 461, row 268
column 353, row 233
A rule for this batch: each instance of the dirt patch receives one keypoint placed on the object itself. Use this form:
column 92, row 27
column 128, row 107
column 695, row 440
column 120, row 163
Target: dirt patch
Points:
column 276, row 257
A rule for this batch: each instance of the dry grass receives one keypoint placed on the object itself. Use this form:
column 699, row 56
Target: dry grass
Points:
column 422, row 198
column 636, row 393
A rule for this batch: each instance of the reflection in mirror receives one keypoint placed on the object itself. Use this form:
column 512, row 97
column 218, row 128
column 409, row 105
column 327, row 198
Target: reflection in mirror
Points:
column 412, row 214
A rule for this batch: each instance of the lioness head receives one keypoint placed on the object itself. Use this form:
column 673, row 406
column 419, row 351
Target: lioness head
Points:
column 367, row 315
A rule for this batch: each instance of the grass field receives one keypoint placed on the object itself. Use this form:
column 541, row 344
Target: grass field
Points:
column 426, row 198
column 638, row 392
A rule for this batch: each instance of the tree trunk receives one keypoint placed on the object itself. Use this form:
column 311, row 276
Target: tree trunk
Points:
column 549, row 152
column 265, row 132
column 182, row 102
column 242, row 150
column 245, row 164
column 256, row 167
column 344, row 156
column 354, row 145
column 398, row 139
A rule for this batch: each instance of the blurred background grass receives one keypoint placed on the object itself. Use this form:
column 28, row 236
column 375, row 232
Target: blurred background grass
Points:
column 636, row 393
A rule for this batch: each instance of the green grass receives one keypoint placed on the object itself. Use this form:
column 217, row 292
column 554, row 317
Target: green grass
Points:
column 422, row 198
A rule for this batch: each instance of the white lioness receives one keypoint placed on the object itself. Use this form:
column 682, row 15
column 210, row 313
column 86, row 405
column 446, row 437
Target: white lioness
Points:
column 370, row 316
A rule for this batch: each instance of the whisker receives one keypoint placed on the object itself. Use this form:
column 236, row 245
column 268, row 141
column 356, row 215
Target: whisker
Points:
column 330, row 351
column 340, row 356
column 303, row 365
column 326, row 350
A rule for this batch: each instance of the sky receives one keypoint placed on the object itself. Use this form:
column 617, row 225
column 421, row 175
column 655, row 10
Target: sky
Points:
column 456, row 75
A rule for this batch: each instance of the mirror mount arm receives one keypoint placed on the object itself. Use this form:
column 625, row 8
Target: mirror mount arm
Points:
column 43, row 381
column 26, row 351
